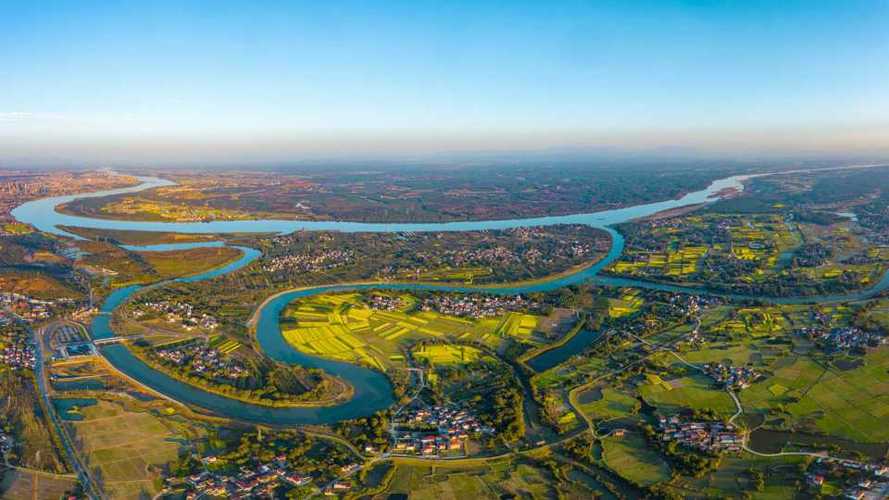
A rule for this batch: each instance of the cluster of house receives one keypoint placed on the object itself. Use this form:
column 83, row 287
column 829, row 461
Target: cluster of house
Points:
column 476, row 306
column 202, row 359
column 860, row 481
column 844, row 338
column 309, row 262
column 709, row 437
column 179, row 312
column 731, row 377
column 475, row 256
column 248, row 482
column 498, row 255
column 30, row 308
column 384, row 302
column 18, row 354
column 6, row 443
column 434, row 430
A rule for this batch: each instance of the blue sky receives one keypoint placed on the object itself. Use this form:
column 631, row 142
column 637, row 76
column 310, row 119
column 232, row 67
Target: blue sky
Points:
column 283, row 79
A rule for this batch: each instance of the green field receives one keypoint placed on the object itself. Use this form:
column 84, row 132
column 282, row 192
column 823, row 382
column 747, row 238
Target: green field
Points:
column 687, row 392
column 627, row 304
column 611, row 404
column 445, row 354
column 634, row 459
column 781, row 475
column 342, row 326
column 759, row 321
column 680, row 262
column 494, row 480
column 224, row 345
column 765, row 245
column 852, row 404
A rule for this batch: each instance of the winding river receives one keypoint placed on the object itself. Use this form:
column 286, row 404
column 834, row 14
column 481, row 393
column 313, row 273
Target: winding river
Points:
column 372, row 390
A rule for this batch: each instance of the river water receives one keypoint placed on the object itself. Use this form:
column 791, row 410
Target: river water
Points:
column 373, row 391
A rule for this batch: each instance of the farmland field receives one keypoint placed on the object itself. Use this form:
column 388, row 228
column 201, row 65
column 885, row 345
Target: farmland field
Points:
column 634, row 459
column 344, row 327
column 851, row 404
column 628, row 303
column 693, row 392
column 611, row 404
column 17, row 485
column 766, row 253
column 438, row 354
column 494, row 480
column 124, row 446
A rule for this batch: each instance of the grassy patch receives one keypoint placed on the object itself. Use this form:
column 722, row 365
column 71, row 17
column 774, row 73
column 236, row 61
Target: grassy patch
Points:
column 191, row 261
column 612, row 404
column 632, row 458
column 695, row 392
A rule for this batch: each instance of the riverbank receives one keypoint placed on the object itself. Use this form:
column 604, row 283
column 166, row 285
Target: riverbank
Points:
column 572, row 271
column 570, row 334
column 342, row 395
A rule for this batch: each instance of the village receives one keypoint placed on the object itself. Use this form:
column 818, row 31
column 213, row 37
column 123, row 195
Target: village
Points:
column 17, row 352
column 708, row 437
column 499, row 255
column 199, row 357
column 843, row 339
column 7, row 443
column 848, row 479
column 476, row 306
column 434, row 431
column 31, row 309
column 309, row 262
column 260, row 480
column 181, row 313
column 731, row 377
column 380, row 302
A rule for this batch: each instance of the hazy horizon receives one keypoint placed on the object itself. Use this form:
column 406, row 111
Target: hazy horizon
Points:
column 227, row 83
